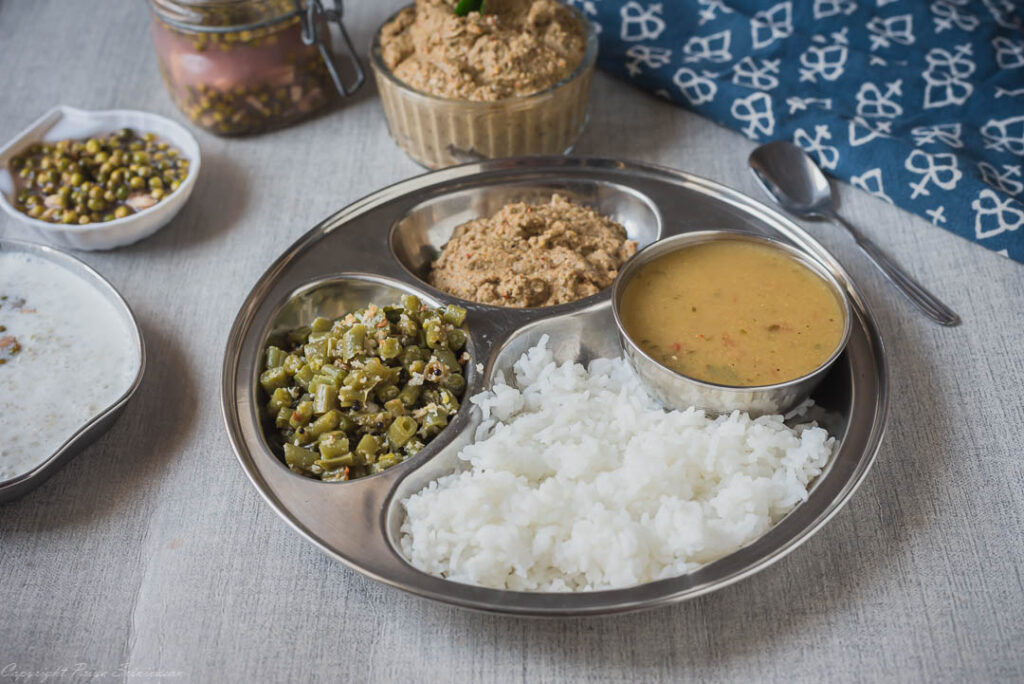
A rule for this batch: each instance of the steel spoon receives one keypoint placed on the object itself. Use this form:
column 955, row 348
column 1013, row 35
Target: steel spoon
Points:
column 789, row 175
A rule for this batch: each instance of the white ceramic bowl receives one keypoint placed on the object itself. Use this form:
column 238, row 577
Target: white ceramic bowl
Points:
column 68, row 122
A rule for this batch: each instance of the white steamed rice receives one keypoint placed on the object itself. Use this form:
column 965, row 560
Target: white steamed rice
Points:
column 581, row 481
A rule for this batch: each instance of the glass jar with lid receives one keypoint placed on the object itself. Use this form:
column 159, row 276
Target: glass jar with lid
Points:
column 236, row 67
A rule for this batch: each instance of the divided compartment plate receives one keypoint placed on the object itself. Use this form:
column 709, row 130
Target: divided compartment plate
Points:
column 380, row 246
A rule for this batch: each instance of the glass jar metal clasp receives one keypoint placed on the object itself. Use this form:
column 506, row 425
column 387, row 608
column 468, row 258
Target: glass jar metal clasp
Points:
column 314, row 11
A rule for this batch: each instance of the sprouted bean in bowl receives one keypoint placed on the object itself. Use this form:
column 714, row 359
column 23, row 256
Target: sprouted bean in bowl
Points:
column 359, row 394
column 97, row 179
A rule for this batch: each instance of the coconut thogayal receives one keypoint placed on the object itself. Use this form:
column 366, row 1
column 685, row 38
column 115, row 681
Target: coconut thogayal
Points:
column 733, row 312
column 508, row 49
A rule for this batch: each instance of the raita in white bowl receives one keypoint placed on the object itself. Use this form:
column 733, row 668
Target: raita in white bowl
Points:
column 66, row 356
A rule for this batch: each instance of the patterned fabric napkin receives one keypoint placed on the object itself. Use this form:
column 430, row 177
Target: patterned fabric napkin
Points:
column 920, row 103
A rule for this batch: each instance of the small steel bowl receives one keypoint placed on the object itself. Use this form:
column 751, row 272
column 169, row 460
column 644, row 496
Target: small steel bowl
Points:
column 679, row 391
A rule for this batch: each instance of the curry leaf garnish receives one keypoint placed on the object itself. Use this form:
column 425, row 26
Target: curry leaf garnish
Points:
column 466, row 6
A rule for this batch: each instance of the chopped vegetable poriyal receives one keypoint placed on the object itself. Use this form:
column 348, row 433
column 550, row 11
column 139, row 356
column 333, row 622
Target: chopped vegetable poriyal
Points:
column 354, row 396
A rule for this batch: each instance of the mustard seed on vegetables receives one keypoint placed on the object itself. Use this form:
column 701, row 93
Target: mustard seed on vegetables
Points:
column 359, row 394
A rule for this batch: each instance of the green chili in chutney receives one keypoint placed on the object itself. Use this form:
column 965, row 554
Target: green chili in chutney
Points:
column 356, row 395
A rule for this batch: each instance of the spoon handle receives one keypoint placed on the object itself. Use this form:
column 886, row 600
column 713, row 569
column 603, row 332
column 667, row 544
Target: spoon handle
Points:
column 928, row 303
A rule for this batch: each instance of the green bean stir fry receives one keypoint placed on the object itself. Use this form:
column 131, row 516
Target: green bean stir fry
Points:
column 99, row 179
column 354, row 396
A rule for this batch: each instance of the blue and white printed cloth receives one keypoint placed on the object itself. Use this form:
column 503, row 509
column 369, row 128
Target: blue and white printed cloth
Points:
column 918, row 102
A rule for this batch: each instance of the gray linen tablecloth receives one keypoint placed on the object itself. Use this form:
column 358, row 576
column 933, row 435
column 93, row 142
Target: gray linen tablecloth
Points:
column 152, row 557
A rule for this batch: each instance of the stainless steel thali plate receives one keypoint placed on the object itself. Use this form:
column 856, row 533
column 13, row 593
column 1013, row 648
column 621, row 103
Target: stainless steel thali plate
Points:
column 380, row 246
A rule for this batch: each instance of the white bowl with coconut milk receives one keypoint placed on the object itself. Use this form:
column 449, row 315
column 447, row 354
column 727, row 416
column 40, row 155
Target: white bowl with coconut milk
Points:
column 71, row 356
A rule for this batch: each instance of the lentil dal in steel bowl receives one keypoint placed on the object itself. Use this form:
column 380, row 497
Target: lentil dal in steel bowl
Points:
column 679, row 389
